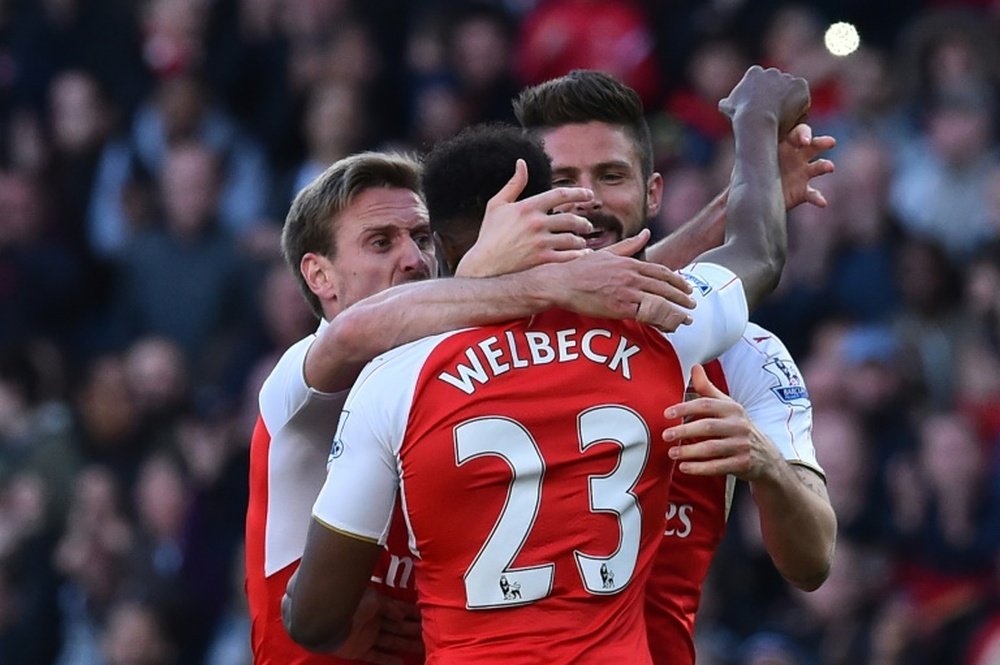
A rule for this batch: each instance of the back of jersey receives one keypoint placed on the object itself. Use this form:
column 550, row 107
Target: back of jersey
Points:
column 534, row 486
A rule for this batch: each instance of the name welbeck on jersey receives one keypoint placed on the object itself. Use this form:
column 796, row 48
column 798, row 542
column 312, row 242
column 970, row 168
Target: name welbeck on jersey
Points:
column 494, row 356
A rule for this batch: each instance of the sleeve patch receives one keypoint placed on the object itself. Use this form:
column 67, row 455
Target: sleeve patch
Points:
column 790, row 388
column 697, row 282
column 337, row 447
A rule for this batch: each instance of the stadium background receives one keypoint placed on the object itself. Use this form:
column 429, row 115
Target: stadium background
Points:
column 142, row 298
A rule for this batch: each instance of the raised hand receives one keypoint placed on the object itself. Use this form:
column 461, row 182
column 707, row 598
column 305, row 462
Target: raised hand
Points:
column 517, row 235
column 769, row 91
column 797, row 159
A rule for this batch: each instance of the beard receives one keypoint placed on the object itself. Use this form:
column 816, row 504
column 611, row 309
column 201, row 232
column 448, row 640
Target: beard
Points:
column 608, row 230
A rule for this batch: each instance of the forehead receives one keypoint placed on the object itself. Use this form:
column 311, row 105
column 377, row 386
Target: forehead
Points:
column 382, row 207
column 585, row 145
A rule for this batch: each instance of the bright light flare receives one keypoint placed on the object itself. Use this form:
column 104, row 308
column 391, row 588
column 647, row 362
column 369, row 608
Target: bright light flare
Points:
column 841, row 39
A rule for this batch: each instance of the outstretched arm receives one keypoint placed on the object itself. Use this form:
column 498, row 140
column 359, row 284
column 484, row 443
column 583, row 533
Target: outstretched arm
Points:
column 797, row 158
column 764, row 105
column 606, row 284
column 797, row 521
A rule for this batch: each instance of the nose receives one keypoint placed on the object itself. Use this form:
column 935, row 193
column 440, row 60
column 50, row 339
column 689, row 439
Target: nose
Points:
column 413, row 260
column 594, row 203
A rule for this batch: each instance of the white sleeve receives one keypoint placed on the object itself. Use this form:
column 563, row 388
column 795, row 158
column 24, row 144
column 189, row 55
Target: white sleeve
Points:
column 285, row 392
column 362, row 478
column 718, row 319
column 762, row 376
column 363, row 468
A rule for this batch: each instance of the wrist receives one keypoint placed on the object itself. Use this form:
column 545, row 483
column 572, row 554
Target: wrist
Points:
column 544, row 286
column 749, row 120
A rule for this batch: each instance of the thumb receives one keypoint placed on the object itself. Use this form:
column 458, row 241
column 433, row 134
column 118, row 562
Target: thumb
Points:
column 630, row 246
column 509, row 192
column 702, row 384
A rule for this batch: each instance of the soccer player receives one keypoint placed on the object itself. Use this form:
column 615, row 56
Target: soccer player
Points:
column 357, row 230
column 593, row 129
column 534, row 503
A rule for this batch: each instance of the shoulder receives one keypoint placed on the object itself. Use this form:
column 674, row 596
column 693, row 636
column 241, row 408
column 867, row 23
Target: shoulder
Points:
column 760, row 363
column 401, row 365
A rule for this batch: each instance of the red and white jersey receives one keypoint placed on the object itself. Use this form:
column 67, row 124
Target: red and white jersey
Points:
column 288, row 456
column 532, row 474
column 759, row 373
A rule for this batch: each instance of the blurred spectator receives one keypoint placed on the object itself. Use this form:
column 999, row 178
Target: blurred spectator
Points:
column 479, row 39
column 91, row 558
column 187, row 281
column 182, row 111
column 793, row 42
column 861, row 280
column 334, row 125
column 99, row 36
column 929, row 326
column 947, row 514
column 135, row 635
column 39, row 276
column 940, row 190
column 946, row 49
column 869, row 105
column 686, row 191
column 106, row 421
column 715, row 67
column 880, row 390
column 173, row 35
column 560, row 35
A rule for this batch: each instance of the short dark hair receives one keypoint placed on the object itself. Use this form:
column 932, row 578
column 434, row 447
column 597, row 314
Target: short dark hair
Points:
column 583, row 96
column 462, row 173
column 310, row 223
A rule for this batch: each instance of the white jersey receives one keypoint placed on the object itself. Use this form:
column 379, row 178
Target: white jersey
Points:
column 763, row 378
column 300, row 422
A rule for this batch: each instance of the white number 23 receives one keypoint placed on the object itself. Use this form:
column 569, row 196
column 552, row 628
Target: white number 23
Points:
column 490, row 581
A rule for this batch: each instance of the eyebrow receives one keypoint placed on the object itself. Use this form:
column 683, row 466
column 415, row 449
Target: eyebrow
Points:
column 395, row 228
column 600, row 166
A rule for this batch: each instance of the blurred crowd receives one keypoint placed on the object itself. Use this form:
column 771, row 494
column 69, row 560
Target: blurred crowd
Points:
column 149, row 151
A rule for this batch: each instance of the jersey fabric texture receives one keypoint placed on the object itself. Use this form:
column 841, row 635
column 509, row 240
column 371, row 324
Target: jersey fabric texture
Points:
column 531, row 472
column 288, row 455
column 759, row 373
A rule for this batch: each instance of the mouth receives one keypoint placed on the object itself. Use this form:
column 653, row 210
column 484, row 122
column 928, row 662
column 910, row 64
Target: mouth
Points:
column 607, row 231
column 600, row 238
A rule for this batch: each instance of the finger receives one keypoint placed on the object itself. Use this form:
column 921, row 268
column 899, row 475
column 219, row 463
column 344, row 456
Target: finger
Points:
column 671, row 277
column 703, row 407
column 660, row 290
column 397, row 643
column 562, row 242
column 629, row 246
column 801, row 135
column 662, row 315
column 698, row 429
column 509, row 192
column 379, row 658
column 815, row 197
column 715, row 467
column 565, row 222
column 716, row 448
column 703, row 385
column 404, row 609
column 820, row 167
column 823, row 143
column 409, row 627
column 557, row 197
column 563, row 255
